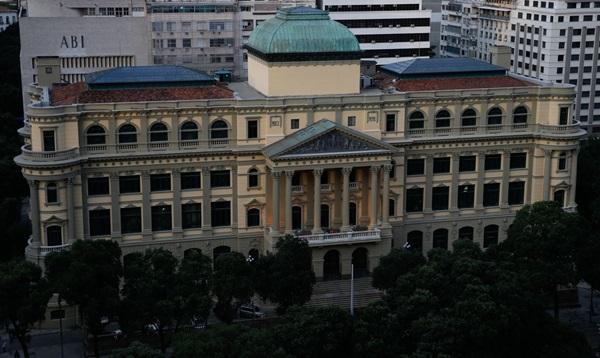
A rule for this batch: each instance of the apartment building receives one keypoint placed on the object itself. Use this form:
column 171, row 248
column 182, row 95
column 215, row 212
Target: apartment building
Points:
column 8, row 17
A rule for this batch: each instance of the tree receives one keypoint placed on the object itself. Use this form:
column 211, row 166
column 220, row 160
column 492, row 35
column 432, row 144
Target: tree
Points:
column 24, row 296
column 88, row 276
column 398, row 262
column 541, row 242
column 232, row 279
column 137, row 350
column 588, row 182
column 192, row 289
column 586, row 262
column 286, row 277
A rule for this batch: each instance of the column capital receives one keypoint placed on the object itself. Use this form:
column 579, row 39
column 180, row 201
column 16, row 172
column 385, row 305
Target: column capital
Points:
column 289, row 173
column 276, row 174
column 455, row 156
column 145, row 174
column 69, row 180
column 205, row 168
column 347, row 170
column 387, row 168
column 33, row 183
column 175, row 171
column 318, row 171
column 375, row 168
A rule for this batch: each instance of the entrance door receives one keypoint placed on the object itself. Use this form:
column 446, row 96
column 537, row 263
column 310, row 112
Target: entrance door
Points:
column 296, row 218
column 331, row 265
column 360, row 260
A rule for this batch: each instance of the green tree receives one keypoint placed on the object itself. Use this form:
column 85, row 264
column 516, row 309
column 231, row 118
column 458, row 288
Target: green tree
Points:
column 24, row 295
column 286, row 277
column 586, row 262
column 88, row 276
column 232, row 279
column 588, row 182
column 193, row 281
column 398, row 262
column 137, row 350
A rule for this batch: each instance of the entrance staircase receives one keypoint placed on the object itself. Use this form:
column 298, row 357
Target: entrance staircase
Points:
column 337, row 293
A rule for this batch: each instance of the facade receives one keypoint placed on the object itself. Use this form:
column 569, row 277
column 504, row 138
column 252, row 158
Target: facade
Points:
column 388, row 31
column 166, row 157
column 477, row 29
column 7, row 17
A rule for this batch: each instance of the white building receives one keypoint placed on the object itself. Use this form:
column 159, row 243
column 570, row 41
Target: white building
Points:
column 387, row 30
column 7, row 17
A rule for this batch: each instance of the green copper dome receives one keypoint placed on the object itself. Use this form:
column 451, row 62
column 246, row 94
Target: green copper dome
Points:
column 302, row 33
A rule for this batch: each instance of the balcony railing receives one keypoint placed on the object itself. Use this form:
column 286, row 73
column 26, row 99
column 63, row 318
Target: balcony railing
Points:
column 354, row 186
column 59, row 155
column 494, row 129
column 44, row 250
column 344, row 237
column 297, row 189
column 326, row 188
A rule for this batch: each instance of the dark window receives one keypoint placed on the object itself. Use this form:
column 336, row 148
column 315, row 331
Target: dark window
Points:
column 518, row 160
column 189, row 131
column 441, row 165
column 469, row 118
column 414, row 199
column 490, row 235
column 493, row 161
column 392, row 170
column 159, row 132
column 98, row 186
column 253, row 217
column 351, row 121
column 131, row 220
column 127, row 134
column 562, row 161
column 440, row 239
column 161, row 218
column 220, row 213
column 99, row 222
column 414, row 239
column 129, row 184
column 219, row 179
column 392, row 207
column 415, row 166
column 466, row 196
column 516, row 192
column 190, row 180
column 252, row 128
column 440, row 198
column 491, row 194
column 416, row 120
column 51, row 193
column 466, row 163
column 564, row 116
column 295, row 123
column 442, row 119
column 465, row 233
column 49, row 142
column 494, row 116
column 559, row 197
column 219, row 130
column 191, row 216
column 390, row 122
column 54, row 235
column 95, row 135
column 520, row 115
column 253, row 178
column 160, row 182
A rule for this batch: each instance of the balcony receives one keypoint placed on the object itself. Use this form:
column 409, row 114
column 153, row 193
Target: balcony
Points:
column 355, row 186
column 569, row 129
column 25, row 131
column 351, row 237
column 59, row 155
column 44, row 250
column 326, row 188
column 297, row 189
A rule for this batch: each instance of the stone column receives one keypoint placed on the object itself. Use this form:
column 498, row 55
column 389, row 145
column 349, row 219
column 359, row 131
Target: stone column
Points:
column 288, row 201
column 573, row 168
column 454, row 187
column 275, row 226
column 317, row 201
column 385, row 205
column 176, row 179
column 480, row 180
column 346, row 198
column 374, row 183
column 70, row 211
column 547, row 172
column 206, row 219
column 146, row 208
column 34, row 200
column 505, row 179
column 115, row 208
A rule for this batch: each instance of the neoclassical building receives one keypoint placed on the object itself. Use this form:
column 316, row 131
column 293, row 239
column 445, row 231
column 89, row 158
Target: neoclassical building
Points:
column 424, row 153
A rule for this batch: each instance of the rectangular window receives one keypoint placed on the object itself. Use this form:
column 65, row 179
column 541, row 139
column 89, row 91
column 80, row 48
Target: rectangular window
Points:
column 220, row 179
column 518, row 160
column 564, row 116
column 171, row 43
column 99, row 222
column 351, row 121
column 295, row 123
column 493, row 161
column 516, row 192
column 466, row 196
column 220, row 213
column 252, row 128
column 161, row 218
column 441, row 165
column 415, row 167
column 466, row 163
column 390, row 122
column 131, row 220
column 414, row 200
column 129, row 184
column 49, row 141
column 491, row 194
column 186, row 43
column 98, row 186
column 439, row 198
column 160, row 182
column 191, row 216
column 190, row 180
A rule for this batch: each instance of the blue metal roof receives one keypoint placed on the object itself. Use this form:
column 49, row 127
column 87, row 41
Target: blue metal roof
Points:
column 147, row 76
column 442, row 67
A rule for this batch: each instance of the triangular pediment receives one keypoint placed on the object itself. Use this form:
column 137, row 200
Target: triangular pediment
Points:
column 326, row 138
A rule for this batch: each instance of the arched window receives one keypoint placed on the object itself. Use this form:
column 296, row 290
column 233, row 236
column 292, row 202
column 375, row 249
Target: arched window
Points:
column 220, row 250
column 360, row 262
column 252, row 178
column 54, row 235
column 440, row 239
column 442, row 119
column 331, row 265
column 414, row 241
column 51, row 193
column 416, row 120
column 465, row 233
column 468, row 118
column 159, row 132
column 253, row 217
column 219, row 130
column 559, row 197
column 95, row 135
column 127, row 134
column 520, row 115
column 188, row 131
column 490, row 235
column 494, row 116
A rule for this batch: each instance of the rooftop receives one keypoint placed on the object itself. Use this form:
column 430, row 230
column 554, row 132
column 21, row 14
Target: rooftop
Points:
column 147, row 76
column 442, row 67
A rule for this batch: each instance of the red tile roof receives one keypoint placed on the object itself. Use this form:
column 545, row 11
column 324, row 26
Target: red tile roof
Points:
column 80, row 93
column 438, row 84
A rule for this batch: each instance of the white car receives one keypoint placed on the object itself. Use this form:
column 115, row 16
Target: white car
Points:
column 250, row 310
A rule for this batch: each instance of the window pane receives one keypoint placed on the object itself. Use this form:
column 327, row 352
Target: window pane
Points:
column 129, row 184
column 160, row 182
column 253, row 217
column 220, row 212
column 192, row 216
column 467, row 163
column 415, row 166
column 491, row 194
column 190, row 180
column 466, row 196
column 441, row 165
column 161, row 218
column 440, row 198
column 49, row 143
column 493, row 161
column 54, row 236
column 51, row 193
column 99, row 222
column 516, row 192
column 252, row 129
column 518, row 160
column 98, row 186
column 414, row 200
column 219, row 178
column 490, row 235
column 131, row 220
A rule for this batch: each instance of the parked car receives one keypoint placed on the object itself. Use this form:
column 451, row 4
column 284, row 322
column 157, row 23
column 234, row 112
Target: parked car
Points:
column 198, row 323
column 250, row 310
